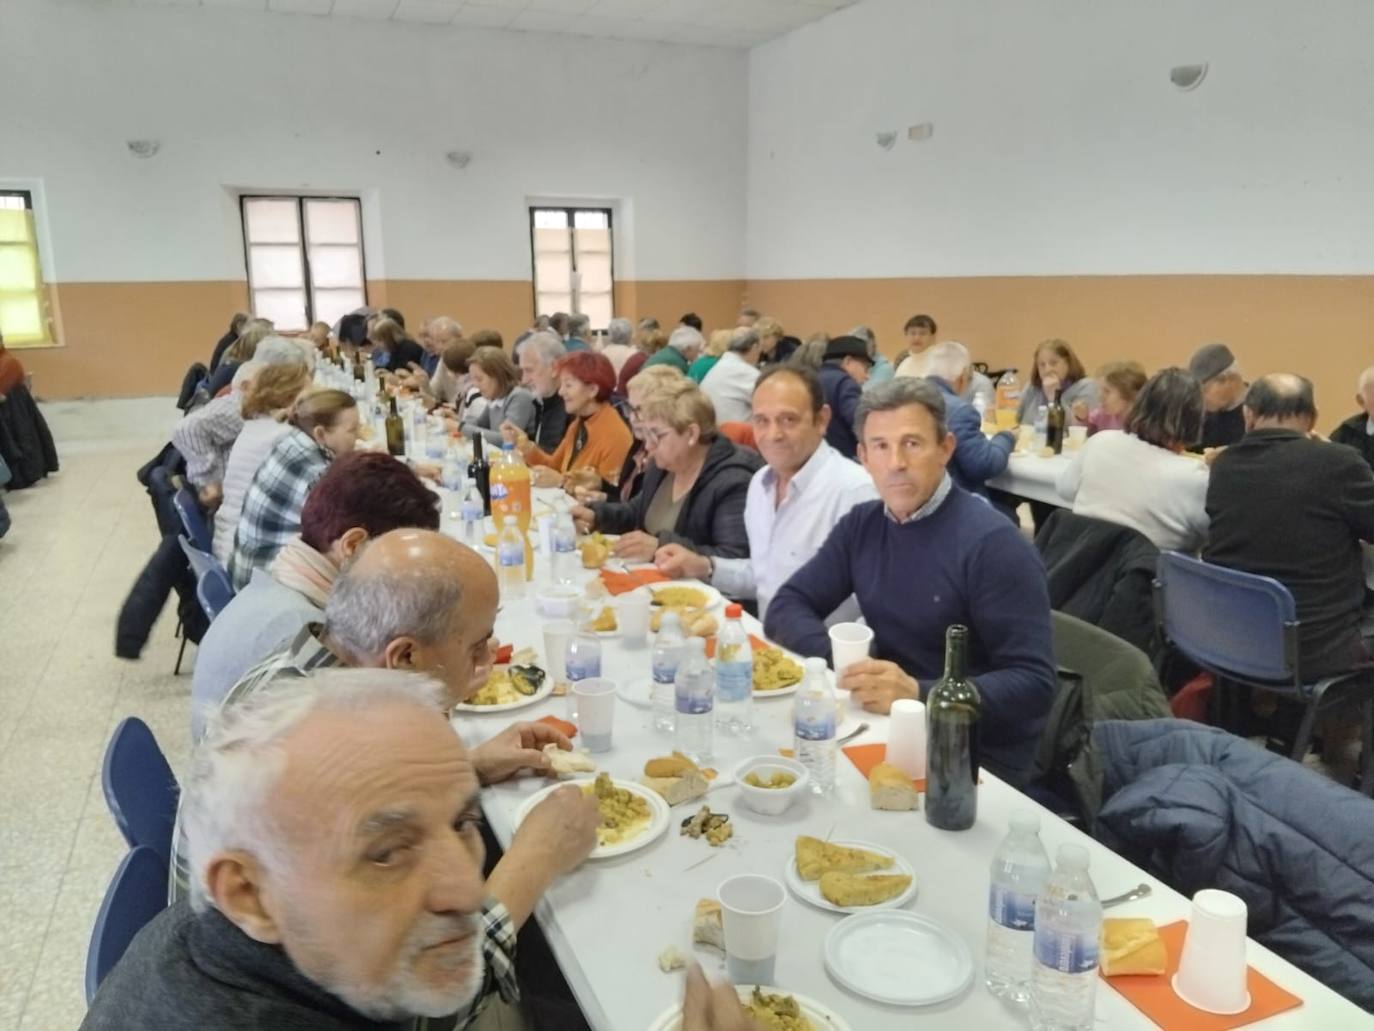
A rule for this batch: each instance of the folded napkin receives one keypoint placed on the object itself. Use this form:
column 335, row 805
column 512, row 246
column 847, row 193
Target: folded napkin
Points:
column 865, row 757
column 623, row 583
column 562, row 726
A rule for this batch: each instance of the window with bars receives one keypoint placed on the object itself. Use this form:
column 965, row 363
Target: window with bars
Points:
column 25, row 320
column 572, row 262
column 304, row 257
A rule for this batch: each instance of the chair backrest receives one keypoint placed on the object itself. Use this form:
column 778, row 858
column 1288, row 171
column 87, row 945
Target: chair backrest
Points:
column 1230, row 622
column 214, row 589
column 192, row 519
column 137, row 893
column 140, row 788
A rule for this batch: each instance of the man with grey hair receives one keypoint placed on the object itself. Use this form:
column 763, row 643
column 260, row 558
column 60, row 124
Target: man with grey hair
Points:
column 619, row 343
column 538, row 357
column 976, row 458
column 1358, row 430
column 579, row 330
column 730, row 383
column 1223, row 395
column 684, row 347
column 333, row 826
column 925, row 556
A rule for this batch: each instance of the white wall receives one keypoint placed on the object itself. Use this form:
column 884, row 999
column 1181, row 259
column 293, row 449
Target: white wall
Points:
column 256, row 101
column 1060, row 146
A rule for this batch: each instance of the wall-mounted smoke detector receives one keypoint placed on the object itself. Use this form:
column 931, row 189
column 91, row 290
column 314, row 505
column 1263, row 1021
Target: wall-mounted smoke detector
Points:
column 886, row 139
column 459, row 158
column 143, row 148
column 1187, row 76
column 924, row 131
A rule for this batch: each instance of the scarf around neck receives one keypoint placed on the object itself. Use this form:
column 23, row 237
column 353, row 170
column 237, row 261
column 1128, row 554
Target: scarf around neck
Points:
column 304, row 570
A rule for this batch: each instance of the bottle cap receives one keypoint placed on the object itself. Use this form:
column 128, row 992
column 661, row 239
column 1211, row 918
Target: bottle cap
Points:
column 733, row 611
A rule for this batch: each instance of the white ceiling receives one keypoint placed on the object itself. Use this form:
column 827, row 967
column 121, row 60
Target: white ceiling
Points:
column 725, row 23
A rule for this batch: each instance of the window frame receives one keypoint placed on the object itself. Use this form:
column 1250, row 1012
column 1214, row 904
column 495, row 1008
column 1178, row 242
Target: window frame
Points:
column 307, row 280
column 571, row 210
column 50, row 334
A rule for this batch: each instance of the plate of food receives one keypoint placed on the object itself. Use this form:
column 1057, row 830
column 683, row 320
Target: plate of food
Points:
column 776, row 673
column 509, row 687
column 772, row 1009
column 600, row 620
column 849, row 876
column 685, row 594
column 595, row 549
column 632, row 815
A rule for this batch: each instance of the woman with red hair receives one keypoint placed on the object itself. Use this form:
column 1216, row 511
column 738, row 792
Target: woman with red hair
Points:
column 597, row 438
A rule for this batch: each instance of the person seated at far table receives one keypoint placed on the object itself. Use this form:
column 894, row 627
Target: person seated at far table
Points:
column 1358, row 430
column 1140, row 477
column 977, row 458
column 694, row 487
column 596, row 439
column 843, row 373
column 1223, row 396
column 793, row 502
column 360, row 496
column 716, row 345
column 919, row 331
column 539, row 359
column 334, row 833
column 498, row 381
column 928, row 555
column 1118, row 383
column 730, row 383
column 1055, row 369
column 684, row 347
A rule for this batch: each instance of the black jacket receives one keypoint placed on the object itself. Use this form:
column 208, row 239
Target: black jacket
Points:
column 711, row 520
column 25, row 442
column 1352, row 433
column 842, row 394
column 550, row 422
column 1102, row 573
column 406, row 354
column 1286, row 506
column 225, row 342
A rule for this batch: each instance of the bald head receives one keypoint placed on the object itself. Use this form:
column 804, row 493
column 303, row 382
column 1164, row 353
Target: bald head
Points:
column 415, row 599
column 1281, row 400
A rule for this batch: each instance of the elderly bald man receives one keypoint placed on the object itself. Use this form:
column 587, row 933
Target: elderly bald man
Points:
column 416, row 600
column 333, row 826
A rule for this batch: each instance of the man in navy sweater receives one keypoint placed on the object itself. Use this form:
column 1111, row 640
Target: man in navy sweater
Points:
column 927, row 555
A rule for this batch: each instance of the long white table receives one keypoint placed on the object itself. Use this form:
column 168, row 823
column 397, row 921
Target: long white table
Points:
column 608, row 920
column 1033, row 477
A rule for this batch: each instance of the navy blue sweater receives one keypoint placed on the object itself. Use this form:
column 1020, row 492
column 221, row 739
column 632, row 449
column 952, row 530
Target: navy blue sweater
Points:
column 964, row 563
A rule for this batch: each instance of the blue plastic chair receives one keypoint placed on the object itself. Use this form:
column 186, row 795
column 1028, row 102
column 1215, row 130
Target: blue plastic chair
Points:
column 140, row 788
column 214, row 589
column 137, row 893
column 1242, row 627
column 192, row 519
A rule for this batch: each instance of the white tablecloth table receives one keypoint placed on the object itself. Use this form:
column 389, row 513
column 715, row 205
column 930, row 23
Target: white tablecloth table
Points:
column 1033, row 477
column 608, row 920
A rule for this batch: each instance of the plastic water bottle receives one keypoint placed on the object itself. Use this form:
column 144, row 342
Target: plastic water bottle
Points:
column 472, row 516
column 510, row 557
column 583, row 657
column 1042, row 424
column 451, row 475
column 1020, row 868
column 734, row 676
column 564, row 560
column 813, row 716
column 666, row 657
column 1008, row 393
column 1068, row 922
column 695, row 699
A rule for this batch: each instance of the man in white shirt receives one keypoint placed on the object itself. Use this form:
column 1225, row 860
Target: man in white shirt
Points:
column 794, row 501
column 730, row 383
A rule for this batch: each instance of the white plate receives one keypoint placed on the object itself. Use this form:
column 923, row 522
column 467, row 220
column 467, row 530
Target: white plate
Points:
column 714, row 599
column 810, row 891
column 538, row 696
column 821, row 1017
column 898, row 958
column 638, row 692
column 658, row 818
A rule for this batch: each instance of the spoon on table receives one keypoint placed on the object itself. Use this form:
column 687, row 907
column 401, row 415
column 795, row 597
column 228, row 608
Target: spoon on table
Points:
column 1140, row 891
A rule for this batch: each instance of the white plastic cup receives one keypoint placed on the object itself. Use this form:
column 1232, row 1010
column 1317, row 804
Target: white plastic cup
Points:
column 632, row 613
column 751, row 910
column 906, row 737
column 849, row 643
column 1212, row 972
column 595, row 699
column 1077, row 435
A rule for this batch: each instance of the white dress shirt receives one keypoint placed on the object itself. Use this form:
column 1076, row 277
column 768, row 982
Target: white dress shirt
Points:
column 1118, row 477
column 730, row 386
column 783, row 538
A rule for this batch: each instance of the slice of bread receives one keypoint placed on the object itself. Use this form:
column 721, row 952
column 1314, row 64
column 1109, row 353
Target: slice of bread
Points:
column 1132, row 946
column 676, row 790
column 891, row 789
column 708, row 928
column 674, row 765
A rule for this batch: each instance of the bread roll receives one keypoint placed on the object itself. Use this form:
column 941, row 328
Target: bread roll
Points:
column 674, row 765
column 676, row 790
column 891, row 789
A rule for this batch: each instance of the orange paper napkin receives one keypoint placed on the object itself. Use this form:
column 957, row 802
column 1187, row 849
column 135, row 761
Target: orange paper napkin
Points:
column 562, row 726
column 865, row 757
column 754, row 642
column 623, row 583
column 1153, row 994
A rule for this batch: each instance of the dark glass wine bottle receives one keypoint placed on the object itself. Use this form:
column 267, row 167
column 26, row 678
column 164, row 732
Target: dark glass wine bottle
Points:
column 1055, row 421
column 953, row 709
column 480, row 473
column 395, row 431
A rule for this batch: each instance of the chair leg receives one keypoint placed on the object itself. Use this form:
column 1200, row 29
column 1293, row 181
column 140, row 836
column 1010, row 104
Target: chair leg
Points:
column 177, row 631
column 176, row 670
column 1303, row 739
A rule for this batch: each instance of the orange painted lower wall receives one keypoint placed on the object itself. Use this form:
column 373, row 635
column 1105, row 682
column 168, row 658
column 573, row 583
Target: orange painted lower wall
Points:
column 1319, row 326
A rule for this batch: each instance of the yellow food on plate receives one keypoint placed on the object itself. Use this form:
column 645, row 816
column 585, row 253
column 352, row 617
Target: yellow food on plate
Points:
column 508, row 684
column 605, row 621
column 624, row 814
column 680, row 597
column 775, row 670
column 815, row 857
column 777, row 1012
column 1132, row 946
column 776, row 779
column 695, row 622
column 595, row 550
column 848, row 889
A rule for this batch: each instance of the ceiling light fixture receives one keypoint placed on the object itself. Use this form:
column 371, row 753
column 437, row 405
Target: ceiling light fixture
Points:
column 1188, row 76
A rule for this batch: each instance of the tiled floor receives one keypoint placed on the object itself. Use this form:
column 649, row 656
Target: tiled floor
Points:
column 78, row 541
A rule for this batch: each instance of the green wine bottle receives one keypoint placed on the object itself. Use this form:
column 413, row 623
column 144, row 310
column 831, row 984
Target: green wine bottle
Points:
column 953, row 709
column 395, row 431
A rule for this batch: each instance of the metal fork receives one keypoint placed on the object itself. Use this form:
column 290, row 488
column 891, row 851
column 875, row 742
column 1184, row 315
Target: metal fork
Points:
column 1140, row 891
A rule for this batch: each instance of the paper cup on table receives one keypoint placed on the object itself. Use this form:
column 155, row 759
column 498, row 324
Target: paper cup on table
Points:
column 595, row 698
column 632, row 613
column 849, row 643
column 906, row 737
column 1212, row 972
column 1077, row 435
column 751, row 910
